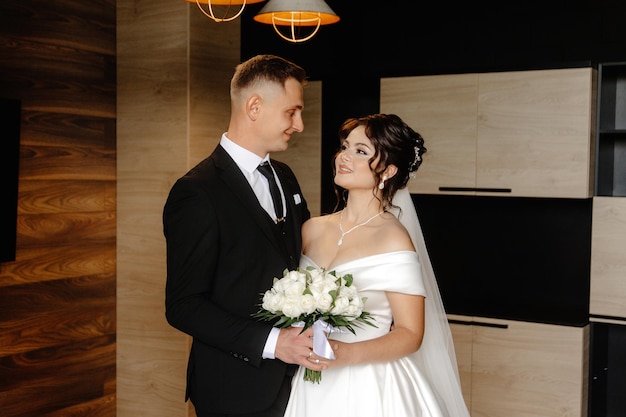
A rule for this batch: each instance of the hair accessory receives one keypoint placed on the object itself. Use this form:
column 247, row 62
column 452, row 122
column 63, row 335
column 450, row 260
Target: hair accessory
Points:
column 417, row 160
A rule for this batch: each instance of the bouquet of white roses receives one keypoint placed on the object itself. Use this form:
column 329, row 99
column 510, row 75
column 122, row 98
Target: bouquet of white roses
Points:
column 315, row 298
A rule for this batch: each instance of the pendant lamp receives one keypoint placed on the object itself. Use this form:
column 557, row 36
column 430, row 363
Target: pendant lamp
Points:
column 225, row 7
column 293, row 15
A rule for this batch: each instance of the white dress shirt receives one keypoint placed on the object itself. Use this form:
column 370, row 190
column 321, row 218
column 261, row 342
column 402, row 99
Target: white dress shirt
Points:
column 248, row 162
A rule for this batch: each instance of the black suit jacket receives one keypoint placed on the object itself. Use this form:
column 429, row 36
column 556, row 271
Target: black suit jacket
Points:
column 223, row 251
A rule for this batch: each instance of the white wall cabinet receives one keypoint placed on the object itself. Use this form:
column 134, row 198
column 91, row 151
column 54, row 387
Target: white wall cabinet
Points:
column 608, row 258
column 519, row 369
column 519, row 133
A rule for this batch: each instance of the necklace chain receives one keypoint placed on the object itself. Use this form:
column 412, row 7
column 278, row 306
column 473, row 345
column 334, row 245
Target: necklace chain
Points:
column 343, row 234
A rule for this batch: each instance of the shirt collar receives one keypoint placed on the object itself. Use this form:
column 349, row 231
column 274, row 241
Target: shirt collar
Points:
column 245, row 159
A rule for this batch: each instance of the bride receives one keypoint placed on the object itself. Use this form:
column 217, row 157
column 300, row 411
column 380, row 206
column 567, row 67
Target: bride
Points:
column 405, row 366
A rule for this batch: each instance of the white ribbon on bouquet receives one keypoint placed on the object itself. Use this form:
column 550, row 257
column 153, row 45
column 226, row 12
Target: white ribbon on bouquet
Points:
column 321, row 346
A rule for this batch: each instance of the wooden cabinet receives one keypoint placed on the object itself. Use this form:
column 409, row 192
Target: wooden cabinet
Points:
column 520, row 369
column 519, row 133
column 442, row 108
column 608, row 258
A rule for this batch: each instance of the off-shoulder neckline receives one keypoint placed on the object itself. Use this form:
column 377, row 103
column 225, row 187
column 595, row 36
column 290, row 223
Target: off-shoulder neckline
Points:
column 343, row 264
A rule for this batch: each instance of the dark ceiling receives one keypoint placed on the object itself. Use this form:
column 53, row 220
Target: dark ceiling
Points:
column 385, row 38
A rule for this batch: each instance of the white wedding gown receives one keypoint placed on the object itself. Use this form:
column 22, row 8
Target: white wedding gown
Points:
column 389, row 389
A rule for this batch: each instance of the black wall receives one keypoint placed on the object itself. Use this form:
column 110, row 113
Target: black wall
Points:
column 377, row 39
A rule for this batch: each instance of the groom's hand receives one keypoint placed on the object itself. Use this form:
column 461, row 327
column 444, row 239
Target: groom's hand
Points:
column 294, row 346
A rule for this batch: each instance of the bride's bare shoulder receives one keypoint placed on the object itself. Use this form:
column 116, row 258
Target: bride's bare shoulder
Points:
column 392, row 236
column 317, row 226
column 320, row 221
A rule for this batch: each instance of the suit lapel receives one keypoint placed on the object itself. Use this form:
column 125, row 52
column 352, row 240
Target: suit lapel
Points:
column 235, row 181
column 293, row 223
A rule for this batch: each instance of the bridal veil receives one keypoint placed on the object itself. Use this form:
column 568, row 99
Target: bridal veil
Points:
column 436, row 356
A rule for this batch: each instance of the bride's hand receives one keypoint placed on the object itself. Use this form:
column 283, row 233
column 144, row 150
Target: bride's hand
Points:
column 341, row 356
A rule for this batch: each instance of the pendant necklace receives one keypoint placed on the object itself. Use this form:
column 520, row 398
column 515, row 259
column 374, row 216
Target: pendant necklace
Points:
column 343, row 234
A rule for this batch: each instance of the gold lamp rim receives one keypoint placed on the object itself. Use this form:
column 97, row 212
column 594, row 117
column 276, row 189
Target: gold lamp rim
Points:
column 298, row 13
column 227, row 2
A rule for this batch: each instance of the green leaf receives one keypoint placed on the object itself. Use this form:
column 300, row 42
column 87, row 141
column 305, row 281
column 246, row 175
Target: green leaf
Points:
column 349, row 279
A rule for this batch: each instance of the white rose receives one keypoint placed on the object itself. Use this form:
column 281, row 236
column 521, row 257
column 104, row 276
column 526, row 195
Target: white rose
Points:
column 307, row 304
column 349, row 292
column 296, row 276
column 316, row 288
column 341, row 306
column 358, row 302
column 288, row 280
column 323, row 282
column 279, row 285
column 352, row 312
column 324, row 301
column 272, row 301
column 294, row 288
column 330, row 282
column 316, row 274
column 291, row 307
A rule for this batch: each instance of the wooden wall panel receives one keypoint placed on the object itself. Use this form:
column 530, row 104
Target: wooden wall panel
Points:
column 101, row 146
column 305, row 149
column 173, row 106
column 213, row 55
column 174, row 69
column 58, row 314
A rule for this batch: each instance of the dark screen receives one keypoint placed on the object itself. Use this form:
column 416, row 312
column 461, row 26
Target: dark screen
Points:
column 10, row 111
column 510, row 258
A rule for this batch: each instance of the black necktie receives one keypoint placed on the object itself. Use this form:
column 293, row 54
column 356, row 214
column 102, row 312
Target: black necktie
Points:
column 267, row 172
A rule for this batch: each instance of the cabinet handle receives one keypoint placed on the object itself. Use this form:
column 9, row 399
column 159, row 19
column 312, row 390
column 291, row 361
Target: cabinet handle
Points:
column 608, row 319
column 478, row 323
column 481, row 189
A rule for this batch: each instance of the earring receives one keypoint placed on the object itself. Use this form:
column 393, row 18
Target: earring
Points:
column 381, row 186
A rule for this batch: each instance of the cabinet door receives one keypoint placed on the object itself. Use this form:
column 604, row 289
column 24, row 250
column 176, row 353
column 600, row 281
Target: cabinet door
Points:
column 462, row 336
column 443, row 110
column 608, row 257
column 521, row 369
column 535, row 131
column 519, row 133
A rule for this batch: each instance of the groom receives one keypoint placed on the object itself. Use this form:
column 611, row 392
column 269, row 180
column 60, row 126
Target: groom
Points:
column 227, row 240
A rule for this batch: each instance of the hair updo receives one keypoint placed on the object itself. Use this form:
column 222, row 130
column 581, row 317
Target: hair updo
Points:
column 395, row 142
